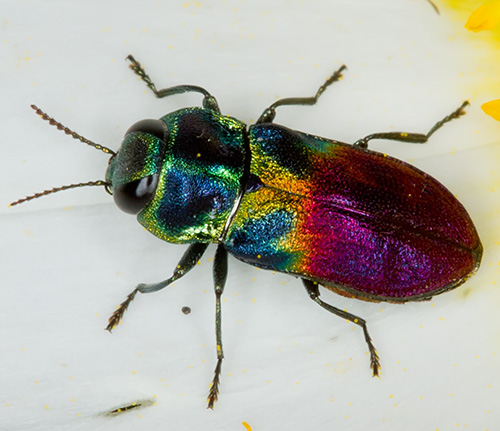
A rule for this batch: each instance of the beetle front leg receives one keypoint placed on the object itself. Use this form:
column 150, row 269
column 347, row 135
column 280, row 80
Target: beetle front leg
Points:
column 313, row 290
column 187, row 262
column 269, row 114
column 209, row 101
column 412, row 138
column 220, row 276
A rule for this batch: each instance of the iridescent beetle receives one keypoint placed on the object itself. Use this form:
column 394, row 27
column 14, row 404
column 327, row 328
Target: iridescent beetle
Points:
column 355, row 221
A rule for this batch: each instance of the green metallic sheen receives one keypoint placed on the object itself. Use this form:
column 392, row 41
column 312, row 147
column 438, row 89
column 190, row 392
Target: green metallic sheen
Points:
column 200, row 177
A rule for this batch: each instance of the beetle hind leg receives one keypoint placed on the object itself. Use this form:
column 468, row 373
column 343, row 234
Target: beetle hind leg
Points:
column 269, row 114
column 413, row 138
column 189, row 259
column 313, row 290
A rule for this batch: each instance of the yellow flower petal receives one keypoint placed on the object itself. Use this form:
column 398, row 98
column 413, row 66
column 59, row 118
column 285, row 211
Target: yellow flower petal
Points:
column 492, row 109
column 485, row 17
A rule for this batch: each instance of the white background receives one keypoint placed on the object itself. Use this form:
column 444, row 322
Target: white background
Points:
column 69, row 259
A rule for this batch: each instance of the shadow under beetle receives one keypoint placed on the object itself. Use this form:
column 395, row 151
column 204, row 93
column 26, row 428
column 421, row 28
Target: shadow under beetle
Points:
column 360, row 223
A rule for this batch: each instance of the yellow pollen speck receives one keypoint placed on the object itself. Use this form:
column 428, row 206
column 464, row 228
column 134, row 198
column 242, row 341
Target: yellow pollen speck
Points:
column 253, row 300
column 492, row 109
column 485, row 17
column 404, row 135
column 134, row 372
column 47, row 407
column 259, row 256
column 198, row 155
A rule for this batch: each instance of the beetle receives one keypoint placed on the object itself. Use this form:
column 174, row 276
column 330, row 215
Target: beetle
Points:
column 360, row 223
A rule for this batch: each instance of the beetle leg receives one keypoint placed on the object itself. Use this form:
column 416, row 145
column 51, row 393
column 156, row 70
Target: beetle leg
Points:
column 220, row 276
column 209, row 101
column 269, row 114
column 189, row 259
column 412, row 138
column 313, row 290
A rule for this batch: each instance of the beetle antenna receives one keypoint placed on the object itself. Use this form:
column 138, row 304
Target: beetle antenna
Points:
column 60, row 189
column 70, row 132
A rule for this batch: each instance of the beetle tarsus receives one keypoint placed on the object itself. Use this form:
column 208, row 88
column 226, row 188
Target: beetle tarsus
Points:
column 374, row 359
column 115, row 318
column 213, row 394
column 455, row 114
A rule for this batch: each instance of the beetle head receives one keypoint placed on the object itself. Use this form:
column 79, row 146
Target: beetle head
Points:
column 133, row 172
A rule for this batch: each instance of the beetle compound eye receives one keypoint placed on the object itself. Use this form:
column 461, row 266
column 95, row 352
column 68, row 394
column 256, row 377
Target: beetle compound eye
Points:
column 154, row 127
column 132, row 197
